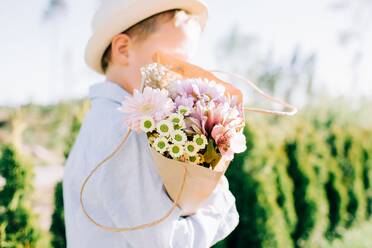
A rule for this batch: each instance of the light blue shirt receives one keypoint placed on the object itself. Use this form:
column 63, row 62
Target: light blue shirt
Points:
column 127, row 191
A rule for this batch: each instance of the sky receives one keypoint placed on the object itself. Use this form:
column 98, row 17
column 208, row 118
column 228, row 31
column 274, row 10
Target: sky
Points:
column 43, row 58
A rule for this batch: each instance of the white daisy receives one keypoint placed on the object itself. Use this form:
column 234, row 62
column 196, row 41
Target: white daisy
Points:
column 181, row 125
column 147, row 124
column 161, row 144
column 164, row 127
column 193, row 159
column 197, row 159
column 191, row 148
column 178, row 137
column 200, row 141
column 175, row 118
column 176, row 150
column 183, row 110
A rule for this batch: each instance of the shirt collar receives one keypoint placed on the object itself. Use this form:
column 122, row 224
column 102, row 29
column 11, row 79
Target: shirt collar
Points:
column 109, row 90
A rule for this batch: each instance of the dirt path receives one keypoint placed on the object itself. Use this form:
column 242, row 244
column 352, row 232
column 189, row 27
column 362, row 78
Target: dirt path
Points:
column 45, row 179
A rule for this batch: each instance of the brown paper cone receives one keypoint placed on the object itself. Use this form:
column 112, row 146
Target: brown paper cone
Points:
column 200, row 181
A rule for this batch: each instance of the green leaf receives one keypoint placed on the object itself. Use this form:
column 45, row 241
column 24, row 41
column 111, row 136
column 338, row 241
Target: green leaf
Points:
column 211, row 156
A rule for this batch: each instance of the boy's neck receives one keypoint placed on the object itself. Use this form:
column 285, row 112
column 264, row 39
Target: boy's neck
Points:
column 122, row 84
column 123, row 80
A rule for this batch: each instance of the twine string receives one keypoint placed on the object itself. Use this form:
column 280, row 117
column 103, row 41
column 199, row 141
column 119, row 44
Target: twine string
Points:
column 292, row 109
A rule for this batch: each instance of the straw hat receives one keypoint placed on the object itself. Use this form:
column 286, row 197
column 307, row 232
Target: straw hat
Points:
column 116, row 16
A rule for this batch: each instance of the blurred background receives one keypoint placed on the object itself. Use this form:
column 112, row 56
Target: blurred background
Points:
column 304, row 181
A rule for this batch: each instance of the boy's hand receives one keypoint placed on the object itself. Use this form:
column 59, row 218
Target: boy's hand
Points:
column 224, row 182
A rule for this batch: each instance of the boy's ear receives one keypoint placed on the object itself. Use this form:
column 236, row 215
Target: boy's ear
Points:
column 120, row 45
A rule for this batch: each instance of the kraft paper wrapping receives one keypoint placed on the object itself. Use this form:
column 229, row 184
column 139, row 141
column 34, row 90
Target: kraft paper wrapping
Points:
column 200, row 181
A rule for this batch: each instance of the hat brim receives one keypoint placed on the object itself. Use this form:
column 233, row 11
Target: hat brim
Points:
column 113, row 20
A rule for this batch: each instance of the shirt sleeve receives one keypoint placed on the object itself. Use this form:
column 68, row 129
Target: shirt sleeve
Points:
column 215, row 219
column 132, row 193
column 230, row 220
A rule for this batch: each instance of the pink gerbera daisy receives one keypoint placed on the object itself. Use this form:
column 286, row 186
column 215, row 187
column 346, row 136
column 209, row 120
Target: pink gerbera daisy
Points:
column 153, row 103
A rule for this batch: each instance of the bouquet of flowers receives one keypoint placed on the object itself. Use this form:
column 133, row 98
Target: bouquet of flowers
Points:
column 189, row 120
column 192, row 121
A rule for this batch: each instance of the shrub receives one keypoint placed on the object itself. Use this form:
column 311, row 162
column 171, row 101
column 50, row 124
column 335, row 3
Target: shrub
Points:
column 308, row 172
column 253, row 182
column 17, row 221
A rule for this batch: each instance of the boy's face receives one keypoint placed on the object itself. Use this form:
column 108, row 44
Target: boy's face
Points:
column 176, row 37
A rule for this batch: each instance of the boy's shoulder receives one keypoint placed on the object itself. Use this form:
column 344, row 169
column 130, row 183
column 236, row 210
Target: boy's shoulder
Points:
column 100, row 130
column 102, row 124
column 105, row 98
column 102, row 116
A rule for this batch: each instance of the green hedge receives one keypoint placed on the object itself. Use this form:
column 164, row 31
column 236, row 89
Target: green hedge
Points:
column 57, row 227
column 303, row 180
column 18, row 226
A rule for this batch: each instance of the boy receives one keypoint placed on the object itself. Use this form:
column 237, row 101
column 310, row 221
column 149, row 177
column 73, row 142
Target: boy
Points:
column 128, row 191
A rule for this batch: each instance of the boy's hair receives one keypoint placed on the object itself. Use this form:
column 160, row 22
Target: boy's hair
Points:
column 141, row 30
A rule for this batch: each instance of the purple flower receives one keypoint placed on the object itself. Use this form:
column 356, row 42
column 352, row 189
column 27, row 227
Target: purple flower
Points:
column 197, row 88
column 184, row 101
